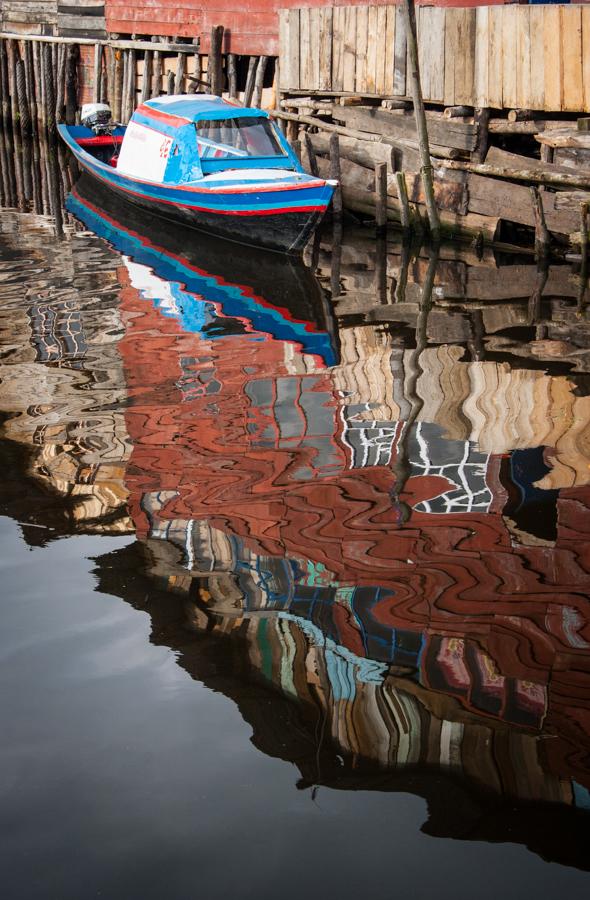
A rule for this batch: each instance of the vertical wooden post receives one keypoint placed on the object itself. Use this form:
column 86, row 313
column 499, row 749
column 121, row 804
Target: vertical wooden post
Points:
column 259, row 81
column 5, row 85
column 381, row 197
column 482, row 120
column 97, row 70
column 216, row 60
column 157, row 71
column 13, row 56
column 170, row 83
column 541, row 230
column 420, row 115
column 60, row 83
column 49, row 88
column 584, row 207
column 118, row 80
column 132, row 98
column 313, row 163
column 232, row 76
column 250, row 77
column 404, row 204
column 146, row 80
column 23, row 104
column 71, row 87
column 336, row 174
column 30, row 85
column 296, row 145
column 179, row 83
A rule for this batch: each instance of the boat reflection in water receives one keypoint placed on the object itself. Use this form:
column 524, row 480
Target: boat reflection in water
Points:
column 355, row 540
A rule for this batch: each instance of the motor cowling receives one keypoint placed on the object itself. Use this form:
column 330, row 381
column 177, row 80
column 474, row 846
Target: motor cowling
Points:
column 97, row 117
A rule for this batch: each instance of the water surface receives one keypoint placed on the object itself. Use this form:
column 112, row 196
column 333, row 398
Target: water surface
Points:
column 295, row 564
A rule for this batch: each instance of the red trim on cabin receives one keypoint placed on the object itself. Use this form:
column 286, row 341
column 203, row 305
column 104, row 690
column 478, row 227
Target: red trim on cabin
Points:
column 166, row 118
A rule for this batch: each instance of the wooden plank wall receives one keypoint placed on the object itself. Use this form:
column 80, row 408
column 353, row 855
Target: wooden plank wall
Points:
column 81, row 18
column 28, row 16
column 527, row 57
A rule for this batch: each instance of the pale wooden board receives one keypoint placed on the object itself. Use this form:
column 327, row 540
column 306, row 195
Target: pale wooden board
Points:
column 465, row 61
column 571, row 37
column 495, row 29
column 586, row 56
column 325, row 48
column 523, row 58
column 362, row 26
column 400, row 56
column 536, row 20
column 452, row 49
column 509, row 56
column 338, row 48
column 305, row 62
column 381, row 27
column 553, row 57
column 372, row 41
column 390, row 49
column 314, row 29
column 480, row 75
column 349, row 66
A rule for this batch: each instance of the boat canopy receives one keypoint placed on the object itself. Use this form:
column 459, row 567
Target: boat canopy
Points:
column 179, row 139
column 196, row 107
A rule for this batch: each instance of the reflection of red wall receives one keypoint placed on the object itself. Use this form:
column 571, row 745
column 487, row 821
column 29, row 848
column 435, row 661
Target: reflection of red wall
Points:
column 452, row 576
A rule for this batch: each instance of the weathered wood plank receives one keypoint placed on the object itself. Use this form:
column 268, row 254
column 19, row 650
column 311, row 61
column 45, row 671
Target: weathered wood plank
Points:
column 349, row 65
column 553, row 57
column 362, row 24
column 571, row 37
column 452, row 49
column 389, row 49
column 523, row 58
column 481, row 71
column 381, row 46
column 305, row 61
column 495, row 26
column 465, row 58
column 372, row 44
column 338, row 20
column 537, row 49
column 509, row 56
column 325, row 40
column 400, row 55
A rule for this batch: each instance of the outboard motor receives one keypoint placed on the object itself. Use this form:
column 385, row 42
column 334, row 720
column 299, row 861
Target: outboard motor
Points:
column 98, row 117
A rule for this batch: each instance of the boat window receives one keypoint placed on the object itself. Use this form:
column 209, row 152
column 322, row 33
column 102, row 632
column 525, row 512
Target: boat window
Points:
column 234, row 138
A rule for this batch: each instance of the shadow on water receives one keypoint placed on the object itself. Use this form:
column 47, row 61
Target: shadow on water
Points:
column 360, row 494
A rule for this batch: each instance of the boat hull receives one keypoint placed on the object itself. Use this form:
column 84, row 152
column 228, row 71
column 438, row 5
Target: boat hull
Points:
column 277, row 218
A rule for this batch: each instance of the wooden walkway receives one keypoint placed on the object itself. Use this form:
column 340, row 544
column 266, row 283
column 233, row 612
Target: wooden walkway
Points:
column 526, row 57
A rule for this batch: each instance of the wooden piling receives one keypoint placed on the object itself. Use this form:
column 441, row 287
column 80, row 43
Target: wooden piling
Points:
column 216, row 60
column 541, row 231
column 60, row 83
column 232, row 76
column 313, row 163
column 23, row 104
column 250, row 78
column 49, row 89
column 170, row 83
column 13, row 57
column 29, row 83
column 71, row 83
column 146, row 79
column 157, row 72
column 482, row 120
column 404, row 204
column 131, row 95
column 259, row 81
column 97, row 70
column 420, row 115
column 336, row 174
column 180, row 80
column 4, row 85
column 381, row 197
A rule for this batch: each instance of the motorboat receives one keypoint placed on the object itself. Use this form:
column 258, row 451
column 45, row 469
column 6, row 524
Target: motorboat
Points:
column 208, row 163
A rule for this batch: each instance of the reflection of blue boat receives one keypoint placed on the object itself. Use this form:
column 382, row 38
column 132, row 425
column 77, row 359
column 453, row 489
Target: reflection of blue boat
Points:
column 210, row 164
column 271, row 294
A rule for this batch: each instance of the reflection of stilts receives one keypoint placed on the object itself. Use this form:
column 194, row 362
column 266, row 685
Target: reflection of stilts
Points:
column 402, row 468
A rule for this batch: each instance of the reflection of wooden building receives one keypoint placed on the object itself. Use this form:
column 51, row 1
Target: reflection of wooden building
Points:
column 484, row 597
column 66, row 377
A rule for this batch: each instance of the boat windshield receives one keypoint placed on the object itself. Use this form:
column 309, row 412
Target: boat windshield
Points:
column 235, row 138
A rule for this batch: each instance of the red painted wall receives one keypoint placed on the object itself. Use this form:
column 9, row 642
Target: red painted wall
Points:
column 252, row 25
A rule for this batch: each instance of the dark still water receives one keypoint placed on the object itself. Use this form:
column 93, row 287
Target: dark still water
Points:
column 295, row 566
